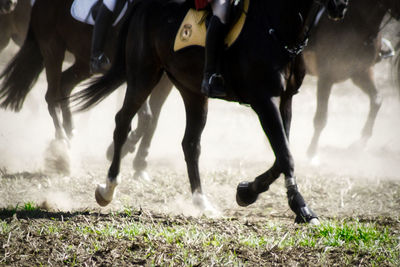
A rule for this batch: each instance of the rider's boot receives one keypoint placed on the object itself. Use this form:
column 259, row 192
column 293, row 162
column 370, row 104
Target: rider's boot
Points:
column 99, row 63
column 213, row 84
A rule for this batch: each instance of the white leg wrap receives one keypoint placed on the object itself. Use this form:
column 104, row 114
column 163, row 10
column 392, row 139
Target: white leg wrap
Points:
column 290, row 182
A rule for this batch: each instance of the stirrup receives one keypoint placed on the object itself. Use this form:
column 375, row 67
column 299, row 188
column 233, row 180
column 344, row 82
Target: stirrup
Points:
column 99, row 64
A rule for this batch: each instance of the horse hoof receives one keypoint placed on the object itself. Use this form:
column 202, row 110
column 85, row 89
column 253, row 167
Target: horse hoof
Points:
column 244, row 195
column 315, row 161
column 99, row 198
column 307, row 216
column 201, row 202
column 142, row 175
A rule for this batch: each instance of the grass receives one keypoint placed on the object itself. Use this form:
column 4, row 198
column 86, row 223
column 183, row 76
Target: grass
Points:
column 133, row 236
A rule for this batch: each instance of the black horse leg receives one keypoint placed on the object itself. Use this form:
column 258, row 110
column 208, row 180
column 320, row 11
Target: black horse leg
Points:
column 286, row 112
column 148, row 115
column 156, row 101
column 272, row 124
column 69, row 79
column 248, row 192
column 296, row 72
column 136, row 93
column 144, row 117
column 323, row 92
column 196, row 107
column 365, row 81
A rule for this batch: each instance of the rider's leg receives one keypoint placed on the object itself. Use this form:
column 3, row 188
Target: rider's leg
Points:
column 98, row 60
column 213, row 82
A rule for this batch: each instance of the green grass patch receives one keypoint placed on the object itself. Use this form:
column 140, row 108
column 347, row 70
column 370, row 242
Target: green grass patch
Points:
column 131, row 236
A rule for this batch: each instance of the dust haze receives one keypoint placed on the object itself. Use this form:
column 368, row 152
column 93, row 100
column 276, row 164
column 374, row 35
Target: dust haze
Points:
column 234, row 148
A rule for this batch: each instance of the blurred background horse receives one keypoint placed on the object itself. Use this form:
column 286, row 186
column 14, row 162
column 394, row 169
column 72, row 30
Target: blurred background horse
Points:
column 349, row 49
column 52, row 31
column 14, row 20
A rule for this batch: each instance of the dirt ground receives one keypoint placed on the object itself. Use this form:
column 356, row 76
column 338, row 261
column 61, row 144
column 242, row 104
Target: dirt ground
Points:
column 348, row 181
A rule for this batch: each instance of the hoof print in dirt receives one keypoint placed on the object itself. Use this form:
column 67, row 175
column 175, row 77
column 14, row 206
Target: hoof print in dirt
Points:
column 245, row 195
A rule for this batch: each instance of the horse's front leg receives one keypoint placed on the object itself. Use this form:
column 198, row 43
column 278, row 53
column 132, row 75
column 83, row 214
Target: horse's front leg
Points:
column 271, row 121
column 295, row 74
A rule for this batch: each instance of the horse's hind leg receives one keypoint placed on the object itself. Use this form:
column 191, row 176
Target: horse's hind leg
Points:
column 136, row 93
column 156, row 101
column 148, row 116
column 365, row 81
column 69, row 79
column 323, row 92
column 57, row 158
column 196, row 107
column 53, row 64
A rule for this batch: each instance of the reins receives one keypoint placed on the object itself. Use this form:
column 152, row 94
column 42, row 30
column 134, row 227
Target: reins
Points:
column 314, row 15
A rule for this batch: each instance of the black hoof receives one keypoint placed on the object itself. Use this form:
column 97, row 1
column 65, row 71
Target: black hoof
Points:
column 306, row 215
column 245, row 195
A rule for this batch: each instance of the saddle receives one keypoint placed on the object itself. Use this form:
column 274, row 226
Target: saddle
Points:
column 193, row 28
column 86, row 11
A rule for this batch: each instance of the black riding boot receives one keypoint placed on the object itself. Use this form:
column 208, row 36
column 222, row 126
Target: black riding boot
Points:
column 213, row 84
column 99, row 63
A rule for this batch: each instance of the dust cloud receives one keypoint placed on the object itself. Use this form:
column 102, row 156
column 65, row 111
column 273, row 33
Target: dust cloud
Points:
column 233, row 140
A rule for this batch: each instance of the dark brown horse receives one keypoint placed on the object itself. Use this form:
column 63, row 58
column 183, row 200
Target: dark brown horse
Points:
column 52, row 32
column 255, row 67
column 14, row 20
column 348, row 49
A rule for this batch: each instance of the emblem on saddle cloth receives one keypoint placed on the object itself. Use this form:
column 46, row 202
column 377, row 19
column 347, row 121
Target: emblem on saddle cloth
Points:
column 193, row 29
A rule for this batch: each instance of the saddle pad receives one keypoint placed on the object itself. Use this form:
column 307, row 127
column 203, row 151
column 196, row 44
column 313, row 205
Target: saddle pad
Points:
column 80, row 10
column 193, row 29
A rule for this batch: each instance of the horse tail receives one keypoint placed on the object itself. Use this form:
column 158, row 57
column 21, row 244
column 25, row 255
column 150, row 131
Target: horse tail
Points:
column 21, row 74
column 100, row 88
